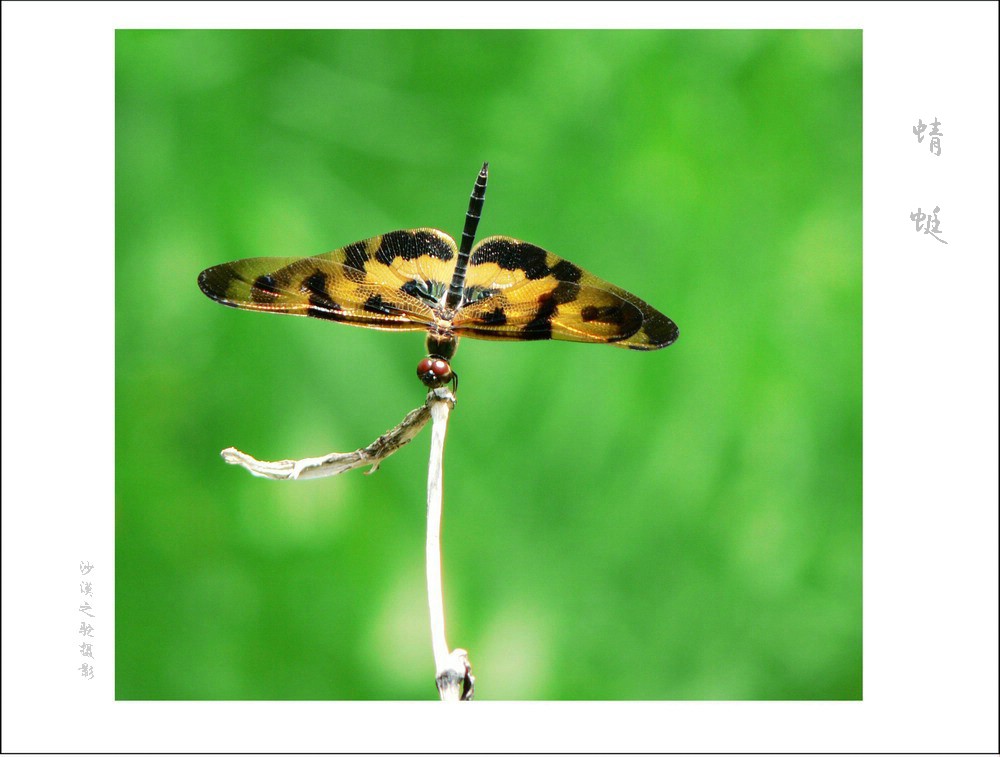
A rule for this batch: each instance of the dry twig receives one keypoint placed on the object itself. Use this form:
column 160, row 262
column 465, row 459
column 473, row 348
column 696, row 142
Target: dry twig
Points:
column 452, row 669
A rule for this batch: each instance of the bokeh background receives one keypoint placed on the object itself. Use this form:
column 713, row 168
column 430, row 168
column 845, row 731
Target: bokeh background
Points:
column 683, row 524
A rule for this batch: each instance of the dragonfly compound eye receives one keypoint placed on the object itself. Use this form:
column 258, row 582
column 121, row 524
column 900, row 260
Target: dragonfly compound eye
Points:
column 434, row 372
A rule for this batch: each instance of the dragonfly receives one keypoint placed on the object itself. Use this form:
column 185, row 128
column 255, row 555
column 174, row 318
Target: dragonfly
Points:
column 419, row 280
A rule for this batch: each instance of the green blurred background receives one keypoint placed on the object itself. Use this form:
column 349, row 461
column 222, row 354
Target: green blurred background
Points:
column 683, row 524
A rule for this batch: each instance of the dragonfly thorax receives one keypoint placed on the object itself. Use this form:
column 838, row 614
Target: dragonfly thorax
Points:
column 441, row 343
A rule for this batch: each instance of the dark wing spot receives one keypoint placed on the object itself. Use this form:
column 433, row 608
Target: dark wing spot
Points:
column 605, row 314
column 495, row 318
column 565, row 291
column 660, row 329
column 590, row 313
column 266, row 283
column 315, row 286
column 375, row 304
column 566, row 271
column 409, row 245
column 540, row 327
column 215, row 281
column 568, row 274
column 625, row 316
column 356, row 255
column 513, row 256
column 264, row 289
column 385, row 253
column 315, row 283
column 431, row 244
column 527, row 258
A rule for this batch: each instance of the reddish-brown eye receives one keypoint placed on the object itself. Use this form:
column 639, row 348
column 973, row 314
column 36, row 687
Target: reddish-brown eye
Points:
column 434, row 372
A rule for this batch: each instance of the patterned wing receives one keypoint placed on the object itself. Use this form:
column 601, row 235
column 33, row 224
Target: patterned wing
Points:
column 387, row 282
column 515, row 290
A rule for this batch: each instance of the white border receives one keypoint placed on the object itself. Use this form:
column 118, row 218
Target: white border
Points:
column 930, row 401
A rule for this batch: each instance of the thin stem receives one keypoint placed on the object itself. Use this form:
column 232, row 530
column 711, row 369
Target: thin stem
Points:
column 453, row 672
column 435, row 474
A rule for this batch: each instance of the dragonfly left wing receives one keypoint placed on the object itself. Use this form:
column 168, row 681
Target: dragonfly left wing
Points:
column 387, row 282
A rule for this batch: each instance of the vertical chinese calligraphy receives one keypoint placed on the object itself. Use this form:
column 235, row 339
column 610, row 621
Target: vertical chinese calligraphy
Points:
column 86, row 630
column 928, row 223
column 935, row 134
